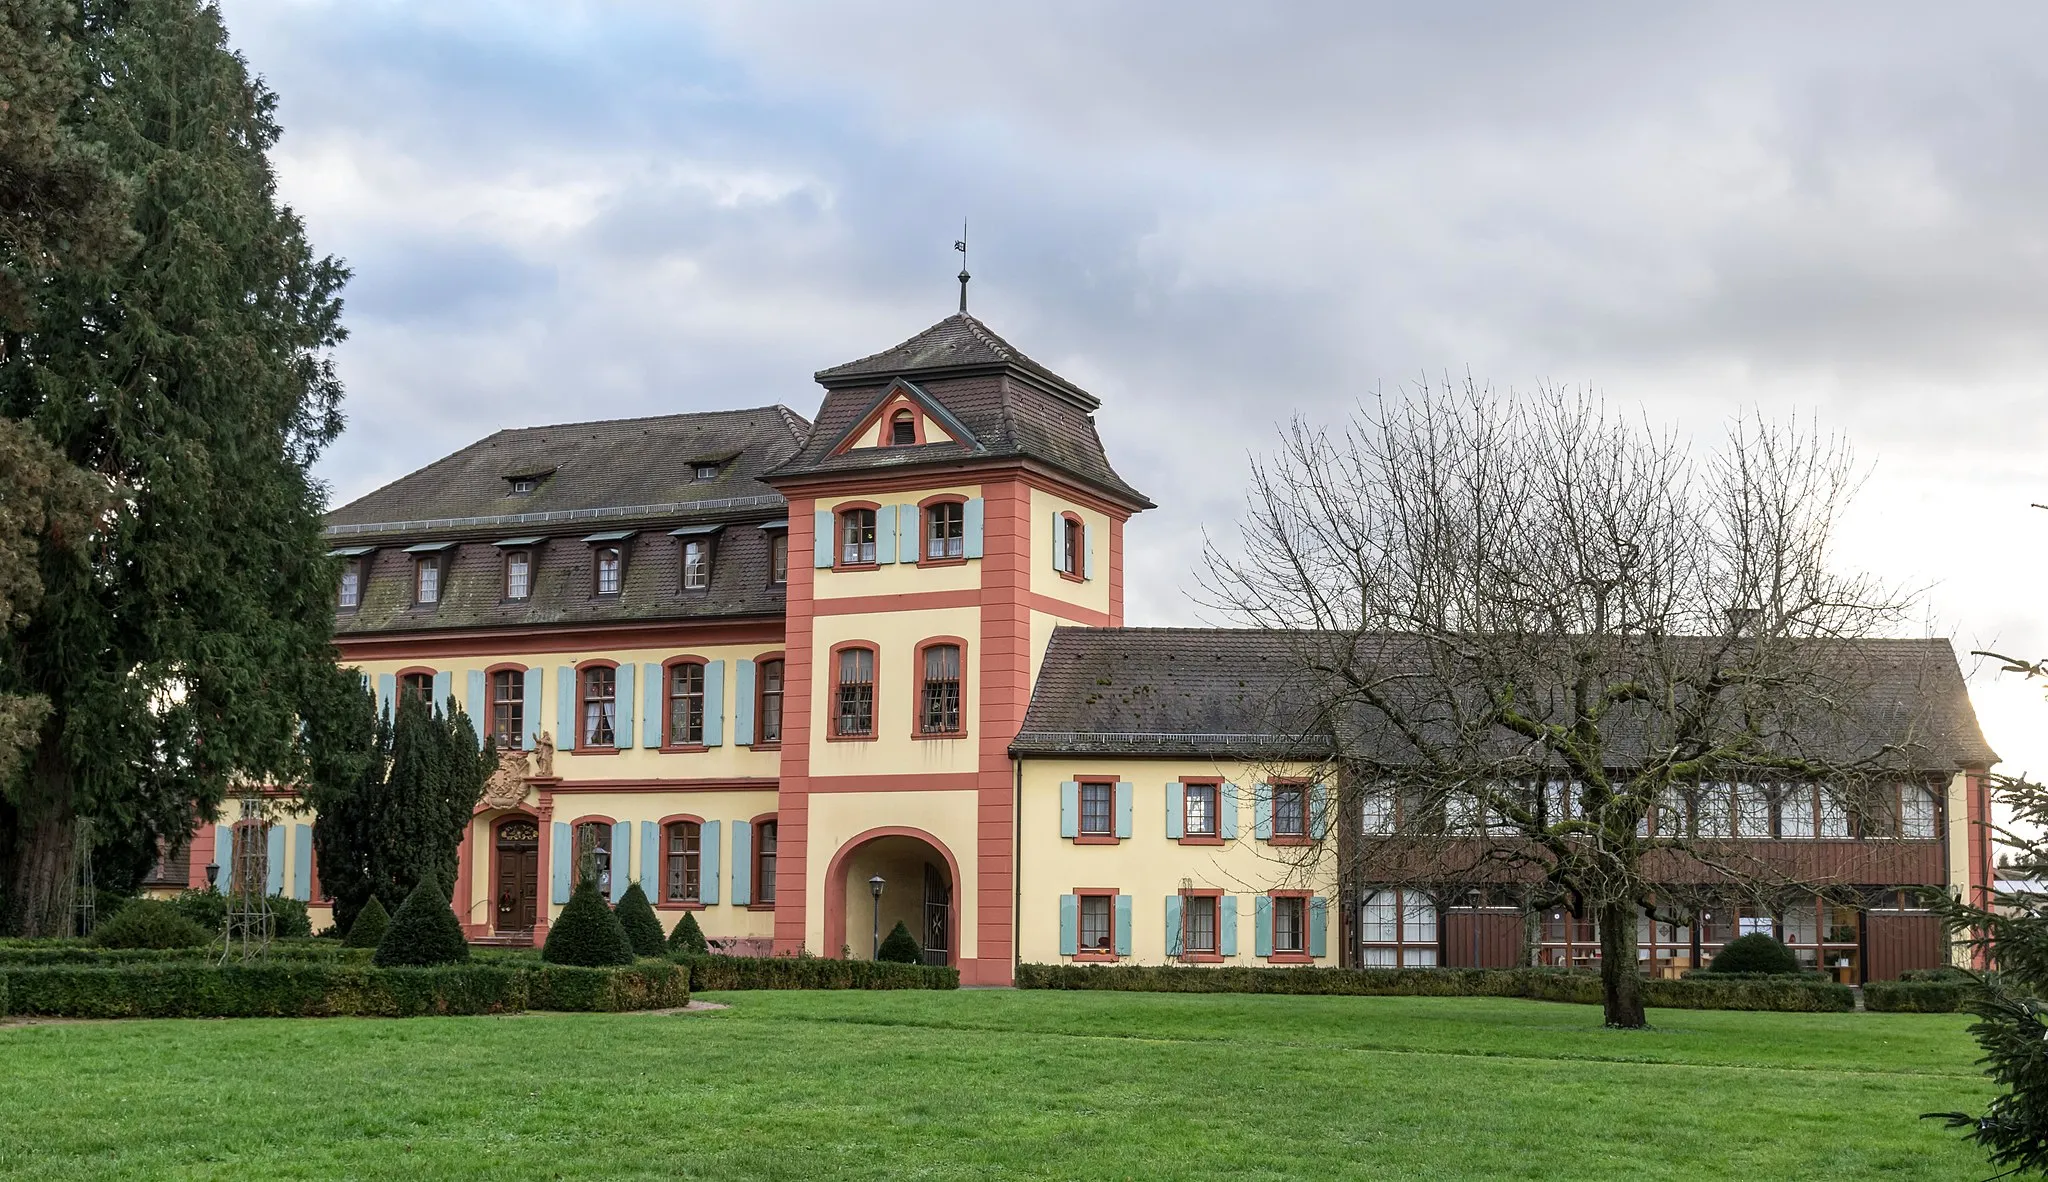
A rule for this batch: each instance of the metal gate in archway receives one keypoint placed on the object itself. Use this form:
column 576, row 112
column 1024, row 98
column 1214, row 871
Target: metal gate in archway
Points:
column 938, row 915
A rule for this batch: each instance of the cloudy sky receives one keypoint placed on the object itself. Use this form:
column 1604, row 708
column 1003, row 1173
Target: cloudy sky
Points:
column 1212, row 215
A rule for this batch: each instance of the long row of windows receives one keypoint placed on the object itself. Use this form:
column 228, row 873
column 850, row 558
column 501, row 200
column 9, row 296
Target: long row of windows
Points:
column 1200, row 925
column 682, row 865
column 865, row 535
column 683, row 695
column 1198, row 810
column 518, row 562
column 1737, row 810
column 939, row 703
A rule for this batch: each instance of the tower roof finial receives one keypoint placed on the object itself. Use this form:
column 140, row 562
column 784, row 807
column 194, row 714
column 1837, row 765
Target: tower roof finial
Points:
column 961, row 246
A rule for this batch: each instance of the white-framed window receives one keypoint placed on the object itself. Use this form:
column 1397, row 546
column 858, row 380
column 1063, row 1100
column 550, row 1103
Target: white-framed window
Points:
column 1199, row 809
column 1795, row 811
column 1376, row 812
column 518, row 574
column 1711, row 811
column 696, row 564
column 427, row 580
column 611, row 567
column 1752, row 811
column 1834, row 814
column 1917, row 811
column 352, row 583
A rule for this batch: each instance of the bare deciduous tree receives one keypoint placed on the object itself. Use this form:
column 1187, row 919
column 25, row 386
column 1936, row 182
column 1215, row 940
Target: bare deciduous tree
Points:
column 1564, row 624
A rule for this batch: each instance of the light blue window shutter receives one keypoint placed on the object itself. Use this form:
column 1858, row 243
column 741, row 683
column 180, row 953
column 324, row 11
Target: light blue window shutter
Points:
column 652, row 703
column 444, row 688
column 743, row 705
column 1262, row 925
column 1173, row 933
column 1318, row 922
column 1262, row 812
column 714, row 703
column 1176, row 811
column 742, row 863
column 971, row 526
column 1069, row 927
column 223, row 856
column 558, row 862
column 650, row 860
column 1226, row 925
column 712, row 844
column 1059, row 542
column 1123, row 809
column 302, row 863
column 479, row 706
column 387, row 689
column 1070, row 808
column 529, row 705
column 1123, row 925
column 1227, row 828
column 565, row 707
column 273, row 849
column 1087, row 552
column 1319, row 812
column 822, row 542
column 885, row 535
column 622, row 725
column 622, row 856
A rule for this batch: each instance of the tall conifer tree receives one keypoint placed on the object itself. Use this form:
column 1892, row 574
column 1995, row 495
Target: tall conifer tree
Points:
column 391, row 795
column 192, row 378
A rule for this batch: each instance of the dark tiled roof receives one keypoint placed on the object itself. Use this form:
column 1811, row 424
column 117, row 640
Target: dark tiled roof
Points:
column 471, row 593
column 1014, row 407
column 592, row 469
column 626, row 474
column 1239, row 692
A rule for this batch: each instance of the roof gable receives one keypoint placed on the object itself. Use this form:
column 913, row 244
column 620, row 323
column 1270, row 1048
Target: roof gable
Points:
column 933, row 422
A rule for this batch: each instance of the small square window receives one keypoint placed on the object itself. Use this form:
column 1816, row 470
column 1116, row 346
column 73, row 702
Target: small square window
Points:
column 706, row 471
column 523, row 486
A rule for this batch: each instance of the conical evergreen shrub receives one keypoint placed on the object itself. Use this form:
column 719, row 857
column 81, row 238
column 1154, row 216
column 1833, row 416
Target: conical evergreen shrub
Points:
column 900, row 946
column 688, row 938
column 586, row 932
column 424, row 932
column 369, row 926
column 643, row 927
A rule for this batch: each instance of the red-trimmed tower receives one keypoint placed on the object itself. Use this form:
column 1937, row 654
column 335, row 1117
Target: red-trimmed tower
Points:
column 951, row 506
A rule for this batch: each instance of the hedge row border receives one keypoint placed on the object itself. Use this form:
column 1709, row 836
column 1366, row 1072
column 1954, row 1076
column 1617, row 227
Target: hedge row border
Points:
column 708, row 973
column 323, row 990
column 1785, row 994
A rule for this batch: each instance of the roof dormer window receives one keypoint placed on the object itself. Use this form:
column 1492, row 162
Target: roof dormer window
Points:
column 523, row 485
column 524, row 481
column 705, row 471
column 903, row 428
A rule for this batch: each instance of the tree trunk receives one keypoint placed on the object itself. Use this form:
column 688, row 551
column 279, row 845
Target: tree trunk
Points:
column 1621, row 982
column 41, row 888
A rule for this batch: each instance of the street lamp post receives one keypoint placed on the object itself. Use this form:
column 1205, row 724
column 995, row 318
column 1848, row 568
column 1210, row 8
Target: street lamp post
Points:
column 1472, row 896
column 875, row 886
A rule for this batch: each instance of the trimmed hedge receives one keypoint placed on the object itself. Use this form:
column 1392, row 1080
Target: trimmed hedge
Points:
column 587, row 933
column 1939, row 996
column 642, row 926
column 149, row 924
column 1734, row 993
column 813, row 972
column 900, row 947
column 687, row 939
column 424, row 933
column 310, row 990
column 1757, row 952
column 26, row 953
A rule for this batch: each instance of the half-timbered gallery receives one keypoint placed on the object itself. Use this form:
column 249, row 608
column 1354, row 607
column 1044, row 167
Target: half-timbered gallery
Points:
column 807, row 677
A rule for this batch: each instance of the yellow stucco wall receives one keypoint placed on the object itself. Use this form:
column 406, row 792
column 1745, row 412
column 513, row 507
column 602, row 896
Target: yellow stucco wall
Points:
column 1148, row 865
column 729, row 760
column 873, row 435
column 719, row 920
column 904, row 576
column 1092, row 594
column 894, row 751
column 947, row 816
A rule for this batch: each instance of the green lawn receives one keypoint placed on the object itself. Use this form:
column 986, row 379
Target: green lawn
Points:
column 978, row 1084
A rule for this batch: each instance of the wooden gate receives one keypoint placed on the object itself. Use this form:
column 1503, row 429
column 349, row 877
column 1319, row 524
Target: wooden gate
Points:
column 1495, row 933
column 1895, row 941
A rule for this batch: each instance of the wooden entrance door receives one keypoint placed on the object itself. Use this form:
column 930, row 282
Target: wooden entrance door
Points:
column 518, row 886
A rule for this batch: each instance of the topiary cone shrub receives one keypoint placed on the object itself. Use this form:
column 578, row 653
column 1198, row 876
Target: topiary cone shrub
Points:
column 368, row 929
column 643, row 927
column 424, row 932
column 899, row 946
column 587, row 933
column 1754, row 953
column 688, row 938
column 146, row 923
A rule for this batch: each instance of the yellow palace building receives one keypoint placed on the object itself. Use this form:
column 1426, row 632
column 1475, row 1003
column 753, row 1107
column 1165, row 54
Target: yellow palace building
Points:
column 768, row 666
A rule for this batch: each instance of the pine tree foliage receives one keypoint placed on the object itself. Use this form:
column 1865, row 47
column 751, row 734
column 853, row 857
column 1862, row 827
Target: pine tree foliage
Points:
column 586, row 932
column 424, row 932
column 391, row 795
column 190, row 376
column 688, row 938
column 643, row 927
column 900, row 946
column 371, row 922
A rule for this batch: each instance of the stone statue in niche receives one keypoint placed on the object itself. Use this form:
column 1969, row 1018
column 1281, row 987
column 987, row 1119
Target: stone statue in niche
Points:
column 544, row 756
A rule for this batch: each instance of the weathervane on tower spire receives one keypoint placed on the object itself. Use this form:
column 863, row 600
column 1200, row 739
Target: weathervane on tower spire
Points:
column 961, row 246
